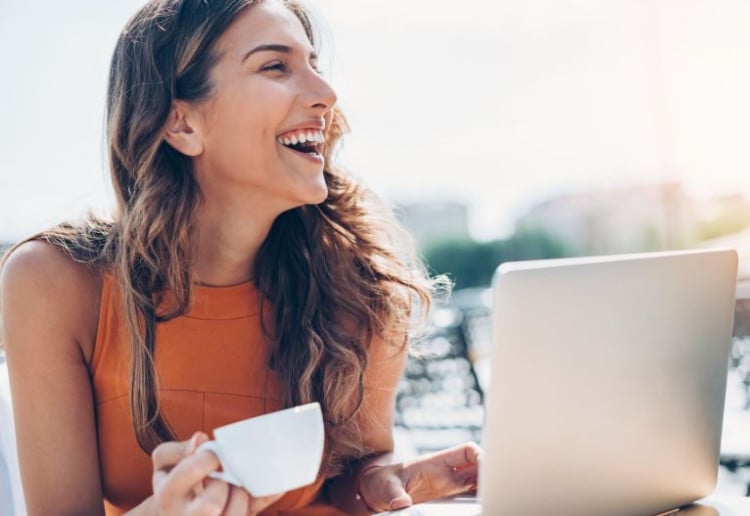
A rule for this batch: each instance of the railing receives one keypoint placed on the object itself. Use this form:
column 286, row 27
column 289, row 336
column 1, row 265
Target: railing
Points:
column 440, row 400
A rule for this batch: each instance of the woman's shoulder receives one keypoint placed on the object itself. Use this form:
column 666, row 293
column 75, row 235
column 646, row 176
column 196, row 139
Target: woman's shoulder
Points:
column 36, row 265
column 41, row 279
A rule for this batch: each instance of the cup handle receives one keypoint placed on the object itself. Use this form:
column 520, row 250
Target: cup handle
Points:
column 225, row 475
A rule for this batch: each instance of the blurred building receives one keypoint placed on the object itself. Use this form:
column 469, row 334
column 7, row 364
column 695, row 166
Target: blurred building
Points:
column 633, row 219
column 431, row 222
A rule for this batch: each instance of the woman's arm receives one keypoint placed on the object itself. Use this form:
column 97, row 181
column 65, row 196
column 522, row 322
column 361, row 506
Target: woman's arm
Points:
column 380, row 483
column 48, row 314
column 385, row 367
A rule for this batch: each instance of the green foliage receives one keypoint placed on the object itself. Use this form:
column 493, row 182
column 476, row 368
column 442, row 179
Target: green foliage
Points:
column 471, row 264
column 727, row 223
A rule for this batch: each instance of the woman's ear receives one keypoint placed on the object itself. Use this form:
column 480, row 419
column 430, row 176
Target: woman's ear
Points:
column 181, row 132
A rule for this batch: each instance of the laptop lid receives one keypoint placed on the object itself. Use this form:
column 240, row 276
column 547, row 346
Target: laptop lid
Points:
column 607, row 384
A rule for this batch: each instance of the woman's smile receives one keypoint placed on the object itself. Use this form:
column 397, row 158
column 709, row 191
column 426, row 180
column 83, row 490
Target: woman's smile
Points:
column 306, row 142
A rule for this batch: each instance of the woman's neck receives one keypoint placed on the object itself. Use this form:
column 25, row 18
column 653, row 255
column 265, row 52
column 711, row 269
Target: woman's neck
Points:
column 226, row 241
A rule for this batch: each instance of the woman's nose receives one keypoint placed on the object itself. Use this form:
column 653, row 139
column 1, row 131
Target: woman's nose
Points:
column 320, row 94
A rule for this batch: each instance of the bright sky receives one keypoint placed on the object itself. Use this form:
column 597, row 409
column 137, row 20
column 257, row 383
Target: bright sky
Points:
column 497, row 104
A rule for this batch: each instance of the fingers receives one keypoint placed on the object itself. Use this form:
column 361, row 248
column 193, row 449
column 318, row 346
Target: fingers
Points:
column 463, row 461
column 466, row 472
column 465, row 479
column 165, row 457
column 168, row 454
column 182, row 484
column 445, row 473
column 191, row 471
column 461, row 456
column 211, row 500
column 180, row 479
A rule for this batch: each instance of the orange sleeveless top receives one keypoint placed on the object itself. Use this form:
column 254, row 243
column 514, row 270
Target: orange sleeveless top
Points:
column 212, row 370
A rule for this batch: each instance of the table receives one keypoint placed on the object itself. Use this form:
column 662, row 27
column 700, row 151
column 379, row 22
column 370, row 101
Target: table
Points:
column 717, row 505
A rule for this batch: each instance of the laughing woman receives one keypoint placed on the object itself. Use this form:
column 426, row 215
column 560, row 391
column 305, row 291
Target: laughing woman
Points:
column 242, row 273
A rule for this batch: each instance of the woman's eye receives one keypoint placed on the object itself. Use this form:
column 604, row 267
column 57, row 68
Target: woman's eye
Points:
column 275, row 66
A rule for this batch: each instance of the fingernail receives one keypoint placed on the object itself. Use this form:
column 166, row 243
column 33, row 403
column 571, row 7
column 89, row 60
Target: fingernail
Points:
column 193, row 444
column 398, row 503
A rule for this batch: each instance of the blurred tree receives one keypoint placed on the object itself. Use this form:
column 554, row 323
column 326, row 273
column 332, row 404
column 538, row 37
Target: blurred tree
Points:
column 730, row 215
column 471, row 264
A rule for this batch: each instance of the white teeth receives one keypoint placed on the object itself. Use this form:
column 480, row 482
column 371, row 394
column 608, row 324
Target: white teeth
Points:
column 302, row 137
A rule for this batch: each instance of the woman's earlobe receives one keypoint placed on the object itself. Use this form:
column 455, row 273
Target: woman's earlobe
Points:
column 179, row 132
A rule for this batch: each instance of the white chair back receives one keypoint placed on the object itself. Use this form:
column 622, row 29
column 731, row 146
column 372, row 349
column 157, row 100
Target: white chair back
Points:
column 11, row 493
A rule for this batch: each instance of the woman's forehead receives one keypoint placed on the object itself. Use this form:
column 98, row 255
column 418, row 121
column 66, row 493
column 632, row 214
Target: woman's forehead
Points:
column 267, row 22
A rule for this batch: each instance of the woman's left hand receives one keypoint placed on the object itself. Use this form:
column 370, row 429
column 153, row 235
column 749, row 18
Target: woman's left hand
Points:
column 445, row 473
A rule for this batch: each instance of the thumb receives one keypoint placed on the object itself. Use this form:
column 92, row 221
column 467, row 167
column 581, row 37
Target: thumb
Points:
column 399, row 498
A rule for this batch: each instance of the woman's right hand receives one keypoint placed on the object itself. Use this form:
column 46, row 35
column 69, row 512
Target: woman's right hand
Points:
column 182, row 486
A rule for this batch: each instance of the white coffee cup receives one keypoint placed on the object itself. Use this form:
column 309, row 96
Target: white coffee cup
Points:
column 273, row 453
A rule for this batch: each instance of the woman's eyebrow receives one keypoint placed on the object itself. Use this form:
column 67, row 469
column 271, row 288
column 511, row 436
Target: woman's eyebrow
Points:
column 275, row 47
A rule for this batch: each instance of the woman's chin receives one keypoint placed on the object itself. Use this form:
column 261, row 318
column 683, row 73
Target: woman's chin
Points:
column 322, row 197
column 310, row 198
column 318, row 194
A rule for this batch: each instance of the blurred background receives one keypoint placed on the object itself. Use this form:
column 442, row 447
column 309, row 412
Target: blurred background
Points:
column 498, row 131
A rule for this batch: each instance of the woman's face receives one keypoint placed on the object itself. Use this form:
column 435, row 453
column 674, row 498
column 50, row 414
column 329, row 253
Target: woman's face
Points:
column 267, row 96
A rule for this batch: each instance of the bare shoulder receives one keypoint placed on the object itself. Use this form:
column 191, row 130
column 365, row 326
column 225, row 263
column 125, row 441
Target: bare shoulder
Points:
column 38, row 269
column 41, row 285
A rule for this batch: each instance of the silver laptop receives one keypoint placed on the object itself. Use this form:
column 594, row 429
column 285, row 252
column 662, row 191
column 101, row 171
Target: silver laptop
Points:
column 607, row 385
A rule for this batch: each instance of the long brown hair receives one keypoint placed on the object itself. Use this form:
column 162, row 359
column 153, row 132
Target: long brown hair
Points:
column 335, row 274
